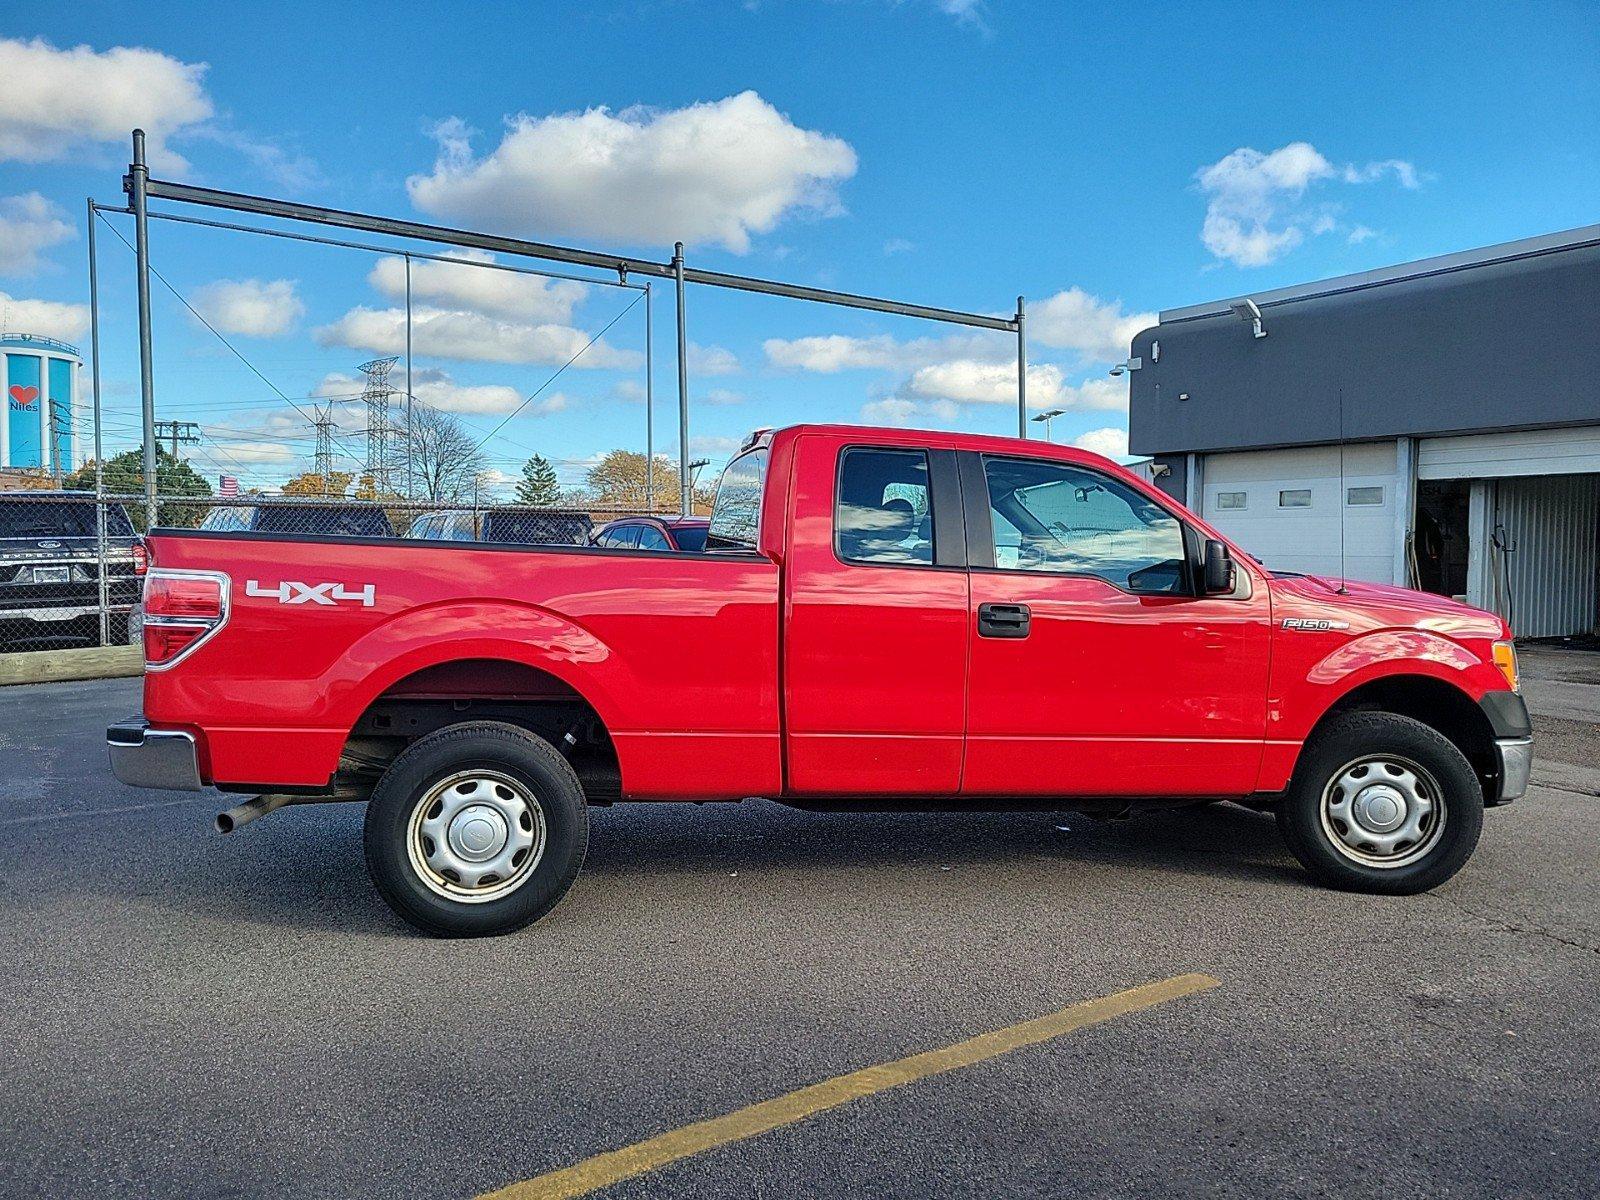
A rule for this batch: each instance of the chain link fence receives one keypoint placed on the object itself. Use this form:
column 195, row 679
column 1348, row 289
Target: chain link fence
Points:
column 72, row 568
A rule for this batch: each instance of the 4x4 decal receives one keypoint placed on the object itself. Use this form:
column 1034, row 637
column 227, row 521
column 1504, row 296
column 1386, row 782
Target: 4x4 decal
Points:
column 292, row 591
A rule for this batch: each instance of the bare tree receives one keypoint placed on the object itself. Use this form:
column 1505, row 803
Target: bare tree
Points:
column 439, row 455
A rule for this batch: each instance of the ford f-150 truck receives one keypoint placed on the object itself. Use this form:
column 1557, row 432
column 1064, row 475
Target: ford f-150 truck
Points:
column 881, row 618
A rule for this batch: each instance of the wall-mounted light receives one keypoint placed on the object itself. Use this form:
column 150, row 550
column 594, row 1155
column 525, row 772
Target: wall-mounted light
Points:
column 1246, row 310
column 1132, row 364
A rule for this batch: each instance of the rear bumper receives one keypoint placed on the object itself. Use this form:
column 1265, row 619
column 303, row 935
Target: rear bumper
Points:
column 153, row 758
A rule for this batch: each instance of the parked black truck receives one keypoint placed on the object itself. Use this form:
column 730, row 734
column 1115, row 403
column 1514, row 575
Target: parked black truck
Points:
column 50, row 571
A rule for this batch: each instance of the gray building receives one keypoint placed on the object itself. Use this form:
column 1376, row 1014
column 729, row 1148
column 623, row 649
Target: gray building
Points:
column 1434, row 424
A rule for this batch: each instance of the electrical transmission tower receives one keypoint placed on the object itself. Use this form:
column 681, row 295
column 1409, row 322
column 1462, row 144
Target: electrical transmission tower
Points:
column 324, row 457
column 376, row 397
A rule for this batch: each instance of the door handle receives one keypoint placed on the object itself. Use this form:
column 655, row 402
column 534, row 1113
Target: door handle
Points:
column 1003, row 620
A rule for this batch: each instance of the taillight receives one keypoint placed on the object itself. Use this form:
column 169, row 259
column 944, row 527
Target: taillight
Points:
column 141, row 559
column 181, row 610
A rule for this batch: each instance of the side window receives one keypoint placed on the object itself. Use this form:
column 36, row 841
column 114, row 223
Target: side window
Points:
column 1071, row 520
column 736, row 513
column 882, row 514
column 651, row 538
column 627, row 537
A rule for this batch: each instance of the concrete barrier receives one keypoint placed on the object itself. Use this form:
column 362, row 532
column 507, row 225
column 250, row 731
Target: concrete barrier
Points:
column 56, row 666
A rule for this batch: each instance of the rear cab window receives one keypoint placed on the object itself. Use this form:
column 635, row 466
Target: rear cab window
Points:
column 882, row 511
column 736, row 512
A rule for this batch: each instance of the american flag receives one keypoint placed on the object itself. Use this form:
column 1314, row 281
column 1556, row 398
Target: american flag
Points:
column 229, row 485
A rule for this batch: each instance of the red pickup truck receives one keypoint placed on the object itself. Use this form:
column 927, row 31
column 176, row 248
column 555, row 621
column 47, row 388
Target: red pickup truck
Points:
column 881, row 618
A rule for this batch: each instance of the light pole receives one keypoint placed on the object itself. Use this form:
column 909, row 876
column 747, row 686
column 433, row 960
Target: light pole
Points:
column 1047, row 417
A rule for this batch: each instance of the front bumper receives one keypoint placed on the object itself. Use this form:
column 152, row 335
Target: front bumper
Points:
column 1513, row 743
column 153, row 758
column 1516, row 765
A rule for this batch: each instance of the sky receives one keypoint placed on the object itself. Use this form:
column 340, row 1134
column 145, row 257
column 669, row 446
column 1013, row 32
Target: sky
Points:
column 1104, row 161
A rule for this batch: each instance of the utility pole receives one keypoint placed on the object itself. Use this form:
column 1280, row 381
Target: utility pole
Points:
column 375, row 395
column 180, row 433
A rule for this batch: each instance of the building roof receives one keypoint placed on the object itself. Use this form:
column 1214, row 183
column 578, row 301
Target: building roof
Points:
column 37, row 341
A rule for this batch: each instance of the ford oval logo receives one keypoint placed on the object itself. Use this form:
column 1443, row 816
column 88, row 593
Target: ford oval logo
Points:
column 49, row 545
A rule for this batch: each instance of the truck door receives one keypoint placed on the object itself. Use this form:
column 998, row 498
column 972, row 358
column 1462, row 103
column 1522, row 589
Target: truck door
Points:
column 1094, row 669
column 875, row 641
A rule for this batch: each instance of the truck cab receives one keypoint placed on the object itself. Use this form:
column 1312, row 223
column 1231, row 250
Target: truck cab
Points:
column 879, row 618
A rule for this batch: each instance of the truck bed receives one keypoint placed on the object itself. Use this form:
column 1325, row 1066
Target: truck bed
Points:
column 676, row 653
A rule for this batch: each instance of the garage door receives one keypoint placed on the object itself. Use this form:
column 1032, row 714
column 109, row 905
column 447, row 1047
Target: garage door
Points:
column 1286, row 508
column 1522, row 452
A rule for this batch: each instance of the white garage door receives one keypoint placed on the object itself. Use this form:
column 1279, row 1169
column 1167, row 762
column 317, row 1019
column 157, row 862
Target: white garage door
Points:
column 1285, row 507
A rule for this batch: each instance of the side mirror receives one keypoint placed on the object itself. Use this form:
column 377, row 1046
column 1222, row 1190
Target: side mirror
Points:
column 1218, row 576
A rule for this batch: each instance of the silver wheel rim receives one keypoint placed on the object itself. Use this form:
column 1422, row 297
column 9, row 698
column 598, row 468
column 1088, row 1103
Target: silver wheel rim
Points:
column 1383, row 811
column 476, row 836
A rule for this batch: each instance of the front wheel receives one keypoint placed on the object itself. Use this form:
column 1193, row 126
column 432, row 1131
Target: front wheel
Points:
column 475, row 830
column 1382, row 803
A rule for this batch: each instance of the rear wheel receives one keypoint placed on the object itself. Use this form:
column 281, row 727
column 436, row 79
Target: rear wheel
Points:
column 1382, row 803
column 476, row 830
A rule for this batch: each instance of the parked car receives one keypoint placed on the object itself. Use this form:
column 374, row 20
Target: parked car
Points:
column 655, row 533
column 50, row 571
column 882, row 617
column 522, row 526
column 291, row 517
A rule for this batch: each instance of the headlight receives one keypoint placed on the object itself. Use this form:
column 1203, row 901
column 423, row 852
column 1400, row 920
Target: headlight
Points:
column 1505, row 657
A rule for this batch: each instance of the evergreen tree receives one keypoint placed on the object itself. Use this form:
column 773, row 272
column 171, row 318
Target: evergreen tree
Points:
column 538, row 486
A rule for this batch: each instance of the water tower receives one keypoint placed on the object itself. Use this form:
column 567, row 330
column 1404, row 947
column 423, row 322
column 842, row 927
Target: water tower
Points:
column 39, row 380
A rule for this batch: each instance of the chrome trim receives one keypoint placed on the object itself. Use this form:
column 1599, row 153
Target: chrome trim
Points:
column 227, row 610
column 1516, row 766
column 154, row 758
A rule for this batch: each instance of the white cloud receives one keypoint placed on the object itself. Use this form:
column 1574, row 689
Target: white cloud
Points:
column 442, row 333
column 900, row 412
column 57, row 100
column 233, row 450
column 712, row 360
column 828, row 354
column 47, row 317
column 713, row 172
column 1099, row 330
column 485, row 289
column 251, row 307
column 1359, row 234
column 1110, row 441
column 1254, row 210
column 722, row 397
column 898, row 246
column 630, row 390
column 29, row 224
column 971, row 382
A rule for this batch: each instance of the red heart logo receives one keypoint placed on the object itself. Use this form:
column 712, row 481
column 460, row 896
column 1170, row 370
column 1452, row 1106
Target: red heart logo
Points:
column 24, row 396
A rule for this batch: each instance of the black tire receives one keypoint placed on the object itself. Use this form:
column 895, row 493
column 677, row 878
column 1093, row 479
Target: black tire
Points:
column 1347, row 739
column 500, row 750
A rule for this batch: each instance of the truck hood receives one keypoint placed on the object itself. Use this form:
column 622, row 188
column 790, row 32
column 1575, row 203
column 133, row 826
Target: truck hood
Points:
column 1367, row 604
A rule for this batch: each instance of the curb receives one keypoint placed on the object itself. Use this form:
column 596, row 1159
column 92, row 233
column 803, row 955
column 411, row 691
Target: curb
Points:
column 59, row 666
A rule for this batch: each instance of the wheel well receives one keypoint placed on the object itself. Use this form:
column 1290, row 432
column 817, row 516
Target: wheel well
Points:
column 483, row 689
column 1435, row 703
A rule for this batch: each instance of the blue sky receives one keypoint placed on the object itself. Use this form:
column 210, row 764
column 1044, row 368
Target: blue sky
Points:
column 1106, row 161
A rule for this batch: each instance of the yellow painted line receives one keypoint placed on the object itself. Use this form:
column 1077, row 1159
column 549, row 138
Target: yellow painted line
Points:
column 605, row 1169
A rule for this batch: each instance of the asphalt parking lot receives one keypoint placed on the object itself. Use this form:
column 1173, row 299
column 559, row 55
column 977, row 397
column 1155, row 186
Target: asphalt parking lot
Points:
column 191, row 1015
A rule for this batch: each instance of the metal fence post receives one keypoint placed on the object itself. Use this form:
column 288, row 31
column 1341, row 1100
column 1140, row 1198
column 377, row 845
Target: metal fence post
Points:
column 411, row 482
column 685, row 484
column 99, row 456
column 649, row 408
column 138, row 180
column 1022, row 369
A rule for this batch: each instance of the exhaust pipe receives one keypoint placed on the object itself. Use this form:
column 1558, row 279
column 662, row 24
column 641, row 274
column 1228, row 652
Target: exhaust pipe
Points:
column 250, row 810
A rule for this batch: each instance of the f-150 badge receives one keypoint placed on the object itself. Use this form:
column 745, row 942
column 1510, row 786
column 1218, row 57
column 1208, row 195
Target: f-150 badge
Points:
column 1313, row 624
column 292, row 591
